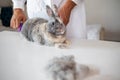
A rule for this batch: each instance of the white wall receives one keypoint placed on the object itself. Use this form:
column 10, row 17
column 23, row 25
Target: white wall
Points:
column 107, row 13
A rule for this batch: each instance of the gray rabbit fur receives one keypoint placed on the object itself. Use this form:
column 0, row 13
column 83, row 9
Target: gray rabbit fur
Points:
column 66, row 68
column 62, row 68
column 50, row 32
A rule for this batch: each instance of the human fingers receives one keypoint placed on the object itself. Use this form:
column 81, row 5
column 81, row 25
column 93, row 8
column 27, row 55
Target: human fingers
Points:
column 17, row 23
column 12, row 23
column 24, row 19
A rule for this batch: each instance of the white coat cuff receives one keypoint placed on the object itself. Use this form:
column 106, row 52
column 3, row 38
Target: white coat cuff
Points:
column 19, row 4
column 77, row 1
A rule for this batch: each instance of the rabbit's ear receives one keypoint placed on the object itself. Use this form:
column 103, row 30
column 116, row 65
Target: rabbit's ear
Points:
column 55, row 9
column 49, row 11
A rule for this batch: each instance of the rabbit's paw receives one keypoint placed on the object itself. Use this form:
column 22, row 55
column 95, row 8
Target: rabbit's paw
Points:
column 67, row 42
column 61, row 46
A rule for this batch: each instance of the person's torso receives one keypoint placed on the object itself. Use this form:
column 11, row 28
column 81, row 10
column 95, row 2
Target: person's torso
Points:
column 37, row 8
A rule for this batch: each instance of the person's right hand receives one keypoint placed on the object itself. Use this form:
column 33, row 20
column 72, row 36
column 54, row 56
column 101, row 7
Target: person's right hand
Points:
column 17, row 18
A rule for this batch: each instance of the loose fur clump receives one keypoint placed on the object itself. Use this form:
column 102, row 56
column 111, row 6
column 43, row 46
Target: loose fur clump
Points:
column 50, row 32
column 62, row 68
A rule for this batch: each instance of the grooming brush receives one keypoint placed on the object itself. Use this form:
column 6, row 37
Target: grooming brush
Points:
column 20, row 27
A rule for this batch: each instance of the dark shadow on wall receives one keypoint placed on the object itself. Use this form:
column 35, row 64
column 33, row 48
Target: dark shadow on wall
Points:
column 6, row 12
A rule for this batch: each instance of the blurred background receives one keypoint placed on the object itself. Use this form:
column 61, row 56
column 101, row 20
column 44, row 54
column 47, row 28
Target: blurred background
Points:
column 107, row 13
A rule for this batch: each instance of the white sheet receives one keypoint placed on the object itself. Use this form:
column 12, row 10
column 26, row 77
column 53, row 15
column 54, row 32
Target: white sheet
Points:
column 23, row 60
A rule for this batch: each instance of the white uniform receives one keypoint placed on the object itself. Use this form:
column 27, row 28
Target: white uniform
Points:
column 77, row 25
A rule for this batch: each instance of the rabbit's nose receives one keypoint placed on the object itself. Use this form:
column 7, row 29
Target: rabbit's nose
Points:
column 62, row 30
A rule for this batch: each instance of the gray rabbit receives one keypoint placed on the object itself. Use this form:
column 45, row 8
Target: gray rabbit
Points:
column 50, row 32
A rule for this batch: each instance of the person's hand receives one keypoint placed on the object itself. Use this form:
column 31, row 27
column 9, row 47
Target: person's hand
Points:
column 17, row 18
column 65, row 11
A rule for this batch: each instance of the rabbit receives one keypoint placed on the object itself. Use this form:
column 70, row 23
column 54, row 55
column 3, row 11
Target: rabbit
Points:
column 50, row 32
column 61, row 68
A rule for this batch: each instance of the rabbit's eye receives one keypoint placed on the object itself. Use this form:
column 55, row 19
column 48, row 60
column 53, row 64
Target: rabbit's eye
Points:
column 53, row 23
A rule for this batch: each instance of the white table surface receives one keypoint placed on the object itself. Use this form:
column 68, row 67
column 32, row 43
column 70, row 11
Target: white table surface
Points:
column 23, row 60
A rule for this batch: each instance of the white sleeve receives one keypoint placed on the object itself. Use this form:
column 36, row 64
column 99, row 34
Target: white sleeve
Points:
column 77, row 1
column 19, row 4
